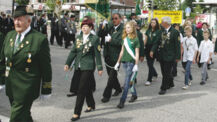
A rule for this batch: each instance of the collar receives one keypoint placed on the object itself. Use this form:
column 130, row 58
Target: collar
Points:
column 26, row 31
column 117, row 26
column 206, row 40
column 23, row 34
column 189, row 37
column 85, row 38
column 168, row 29
column 204, row 30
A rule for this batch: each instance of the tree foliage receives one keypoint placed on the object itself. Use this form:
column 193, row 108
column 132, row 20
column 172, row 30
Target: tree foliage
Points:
column 22, row 2
column 195, row 9
column 166, row 4
column 55, row 5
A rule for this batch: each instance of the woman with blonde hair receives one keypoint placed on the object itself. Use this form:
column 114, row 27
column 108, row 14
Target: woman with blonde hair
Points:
column 129, row 56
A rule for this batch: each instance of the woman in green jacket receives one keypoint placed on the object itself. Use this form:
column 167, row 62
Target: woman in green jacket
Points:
column 86, row 56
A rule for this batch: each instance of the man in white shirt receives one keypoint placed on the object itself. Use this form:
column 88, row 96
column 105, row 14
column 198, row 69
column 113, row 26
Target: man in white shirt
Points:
column 205, row 52
column 189, row 52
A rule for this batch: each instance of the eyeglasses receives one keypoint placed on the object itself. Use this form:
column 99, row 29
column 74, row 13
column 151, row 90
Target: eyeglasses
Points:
column 114, row 18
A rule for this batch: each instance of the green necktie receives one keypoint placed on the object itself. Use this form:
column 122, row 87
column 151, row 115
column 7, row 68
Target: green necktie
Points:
column 17, row 43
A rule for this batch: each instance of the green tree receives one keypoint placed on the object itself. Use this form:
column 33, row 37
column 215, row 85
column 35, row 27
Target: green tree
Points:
column 188, row 3
column 51, row 4
column 166, row 4
column 22, row 2
column 55, row 6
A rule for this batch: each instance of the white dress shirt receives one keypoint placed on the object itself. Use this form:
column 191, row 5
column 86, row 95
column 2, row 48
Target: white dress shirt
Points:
column 23, row 34
column 206, row 47
column 85, row 37
column 189, row 46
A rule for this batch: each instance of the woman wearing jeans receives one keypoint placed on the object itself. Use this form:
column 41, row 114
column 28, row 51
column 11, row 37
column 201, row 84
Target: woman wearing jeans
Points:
column 129, row 56
column 152, row 35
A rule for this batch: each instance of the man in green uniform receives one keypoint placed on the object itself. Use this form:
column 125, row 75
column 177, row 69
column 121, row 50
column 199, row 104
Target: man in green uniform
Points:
column 111, row 53
column 26, row 58
column 169, row 52
column 2, row 84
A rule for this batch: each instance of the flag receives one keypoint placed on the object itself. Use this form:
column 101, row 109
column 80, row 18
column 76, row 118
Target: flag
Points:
column 100, row 6
column 138, row 10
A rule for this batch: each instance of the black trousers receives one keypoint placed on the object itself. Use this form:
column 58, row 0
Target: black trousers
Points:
column 21, row 111
column 84, row 91
column 76, row 79
column 151, row 70
column 174, row 69
column 72, row 37
column 112, row 82
column 66, row 38
column 166, row 70
column 55, row 34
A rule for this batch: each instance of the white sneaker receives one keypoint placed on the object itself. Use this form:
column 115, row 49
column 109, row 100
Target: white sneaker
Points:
column 2, row 87
column 190, row 82
column 147, row 83
column 185, row 87
column 154, row 78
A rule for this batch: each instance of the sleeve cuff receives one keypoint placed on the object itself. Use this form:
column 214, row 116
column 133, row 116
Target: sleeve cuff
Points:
column 99, row 67
column 46, row 88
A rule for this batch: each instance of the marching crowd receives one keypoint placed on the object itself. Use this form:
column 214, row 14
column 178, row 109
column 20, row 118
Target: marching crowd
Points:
column 25, row 62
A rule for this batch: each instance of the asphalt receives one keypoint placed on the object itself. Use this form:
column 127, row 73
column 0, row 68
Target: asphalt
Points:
column 197, row 104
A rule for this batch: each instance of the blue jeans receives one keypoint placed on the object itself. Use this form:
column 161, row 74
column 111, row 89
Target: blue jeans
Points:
column 188, row 72
column 128, row 66
column 204, row 72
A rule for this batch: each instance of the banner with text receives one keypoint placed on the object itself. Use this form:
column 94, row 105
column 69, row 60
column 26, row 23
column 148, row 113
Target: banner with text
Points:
column 176, row 16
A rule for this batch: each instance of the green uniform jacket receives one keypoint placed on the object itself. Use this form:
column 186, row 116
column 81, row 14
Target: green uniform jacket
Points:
column 141, row 49
column 26, row 74
column 1, row 40
column 112, row 49
column 200, row 36
column 85, row 54
column 168, row 44
column 2, row 82
column 153, row 39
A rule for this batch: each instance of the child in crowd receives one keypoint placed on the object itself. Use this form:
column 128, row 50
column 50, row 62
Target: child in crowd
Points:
column 129, row 56
column 205, row 53
column 189, row 52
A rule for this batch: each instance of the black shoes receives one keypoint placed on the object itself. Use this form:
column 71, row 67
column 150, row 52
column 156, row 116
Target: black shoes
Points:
column 71, row 94
column 162, row 92
column 75, row 119
column 202, row 83
column 120, row 105
column 90, row 109
column 116, row 93
column 133, row 98
column 171, row 86
column 105, row 100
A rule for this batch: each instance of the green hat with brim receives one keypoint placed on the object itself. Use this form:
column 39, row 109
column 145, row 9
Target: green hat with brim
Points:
column 22, row 11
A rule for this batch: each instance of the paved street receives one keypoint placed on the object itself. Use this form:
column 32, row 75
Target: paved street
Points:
column 198, row 104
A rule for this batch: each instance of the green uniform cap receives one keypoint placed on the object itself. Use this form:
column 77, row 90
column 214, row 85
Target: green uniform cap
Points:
column 23, row 10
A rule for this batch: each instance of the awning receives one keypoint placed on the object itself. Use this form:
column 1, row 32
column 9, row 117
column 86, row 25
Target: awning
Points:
column 117, row 5
column 114, row 5
column 206, row 3
column 40, row 7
